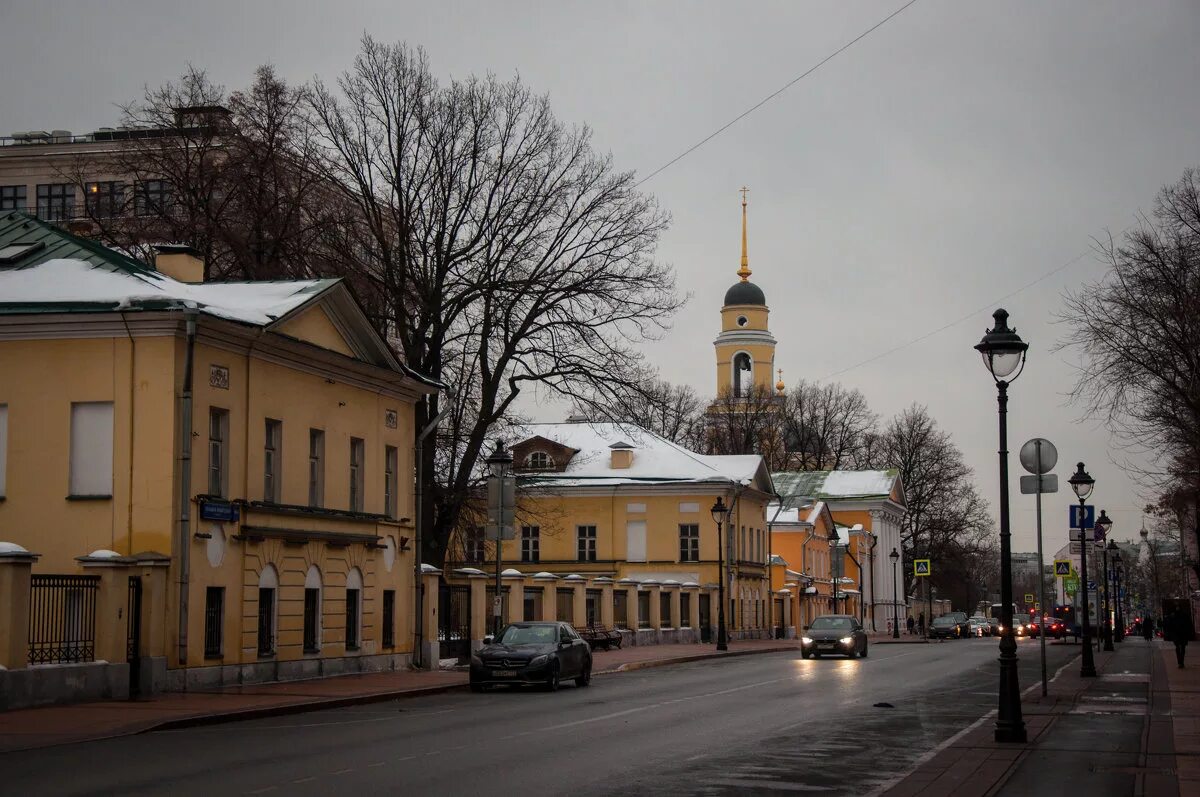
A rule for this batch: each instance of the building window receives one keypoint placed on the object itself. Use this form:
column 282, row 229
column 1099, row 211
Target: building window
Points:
column 664, row 610
column 353, row 609
column 268, row 583
column 685, row 610
column 620, row 608
column 591, row 606
column 214, row 616
column 689, row 542
column 105, row 200
column 391, row 461
column 218, row 451
column 316, row 467
column 154, row 198
column 743, row 375
column 743, row 552
column 643, row 607
column 389, row 618
column 272, row 462
column 12, row 197
column 56, row 201
column 564, row 605
column 357, row 448
column 312, row 610
column 531, row 543
column 474, row 551
column 587, row 543
column 539, row 460
column 91, row 467
column 3, row 447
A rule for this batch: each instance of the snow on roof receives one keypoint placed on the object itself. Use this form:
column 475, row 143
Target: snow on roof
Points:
column 825, row 484
column 655, row 459
column 77, row 282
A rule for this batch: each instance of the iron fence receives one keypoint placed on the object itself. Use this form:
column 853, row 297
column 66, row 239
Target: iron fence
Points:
column 62, row 619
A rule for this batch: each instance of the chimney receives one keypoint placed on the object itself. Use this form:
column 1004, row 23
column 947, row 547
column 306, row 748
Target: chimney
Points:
column 622, row 455
column 179, row 262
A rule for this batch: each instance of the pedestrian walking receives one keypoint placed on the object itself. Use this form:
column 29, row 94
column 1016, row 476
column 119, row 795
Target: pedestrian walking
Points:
column 921, row 623
column 1177, row 628
column 1148, row 629
column 911, row 624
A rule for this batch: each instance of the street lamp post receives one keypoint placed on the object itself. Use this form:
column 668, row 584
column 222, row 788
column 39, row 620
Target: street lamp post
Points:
column 1103, row 524
column 1003, row 354
column 833, row 569
column 499, row 466
column 1082, row 484
column 895, row 557
column 720, row 514
column 1117, row 599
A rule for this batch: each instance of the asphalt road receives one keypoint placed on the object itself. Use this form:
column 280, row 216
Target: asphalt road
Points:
column 768, row 724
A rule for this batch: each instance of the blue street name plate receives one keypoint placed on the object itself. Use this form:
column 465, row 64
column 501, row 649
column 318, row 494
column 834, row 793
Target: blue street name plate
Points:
column 222, row 511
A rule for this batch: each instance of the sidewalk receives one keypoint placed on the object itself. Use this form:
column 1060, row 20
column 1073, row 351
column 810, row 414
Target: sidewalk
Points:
column 1133, row 730
column 43, row 727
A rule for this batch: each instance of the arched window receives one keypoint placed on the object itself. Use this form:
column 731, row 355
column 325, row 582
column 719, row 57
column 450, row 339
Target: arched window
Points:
column 354, row 586
column 743, row 374
column 268, row 589
column 539, row 460
column 312, row 610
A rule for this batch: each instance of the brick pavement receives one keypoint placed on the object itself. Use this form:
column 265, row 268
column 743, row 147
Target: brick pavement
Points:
column 52, row 725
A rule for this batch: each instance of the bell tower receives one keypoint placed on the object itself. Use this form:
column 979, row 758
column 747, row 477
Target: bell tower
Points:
column 745, row 348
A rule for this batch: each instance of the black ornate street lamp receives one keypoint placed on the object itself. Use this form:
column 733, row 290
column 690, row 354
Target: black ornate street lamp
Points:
column 499, row 466
column 1103, row 524
column 833, row 569
column 1115, row 558
column 895, row 557
column 1003, row 354
column 1082, row 484
column 720, row 514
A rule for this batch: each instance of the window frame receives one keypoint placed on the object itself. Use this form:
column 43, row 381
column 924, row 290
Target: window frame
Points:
column 153, row 198
column 585, row 542
column 14, row 197
column 55, row 201
column 104, row 199
column 81, row 481
column 389, row 619
column 689, row 542
column 391, row 466
column 214, row 632
column 267, row 599
column 316, row 468
column 272, row 460
column 218, row 442
column 358, row 449
column 531, row 544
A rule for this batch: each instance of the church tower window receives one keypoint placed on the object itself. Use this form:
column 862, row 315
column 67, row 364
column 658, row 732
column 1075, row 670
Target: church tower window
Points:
column 743, row 374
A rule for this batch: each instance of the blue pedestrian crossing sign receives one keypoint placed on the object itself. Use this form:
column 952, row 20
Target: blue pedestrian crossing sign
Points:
column 921, row 567
column 1088, row 513
column 1062, row 567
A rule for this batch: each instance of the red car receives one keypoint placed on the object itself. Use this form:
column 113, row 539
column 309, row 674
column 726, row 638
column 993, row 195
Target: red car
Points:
column 1054, row 627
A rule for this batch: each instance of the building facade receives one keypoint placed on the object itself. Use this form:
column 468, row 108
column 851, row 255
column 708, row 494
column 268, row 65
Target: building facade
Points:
column 255, row 439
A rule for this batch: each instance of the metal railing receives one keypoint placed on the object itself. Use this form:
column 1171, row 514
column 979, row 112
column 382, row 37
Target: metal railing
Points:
column 62, row 619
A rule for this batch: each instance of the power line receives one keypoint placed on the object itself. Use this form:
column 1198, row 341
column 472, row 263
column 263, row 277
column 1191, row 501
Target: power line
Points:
column 776, row 93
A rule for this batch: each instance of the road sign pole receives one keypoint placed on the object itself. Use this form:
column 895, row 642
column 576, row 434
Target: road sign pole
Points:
column 1041, row 575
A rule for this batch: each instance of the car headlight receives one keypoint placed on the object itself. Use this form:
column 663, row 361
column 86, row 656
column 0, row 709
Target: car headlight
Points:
column 537, row 660
column 846, row 640
column 805, row 640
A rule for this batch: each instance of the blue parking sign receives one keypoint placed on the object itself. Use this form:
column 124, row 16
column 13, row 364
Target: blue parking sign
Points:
column 1088, row 513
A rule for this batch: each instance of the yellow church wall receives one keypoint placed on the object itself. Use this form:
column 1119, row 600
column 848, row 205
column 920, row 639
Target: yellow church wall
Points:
column 763, row 355
column 756, row 317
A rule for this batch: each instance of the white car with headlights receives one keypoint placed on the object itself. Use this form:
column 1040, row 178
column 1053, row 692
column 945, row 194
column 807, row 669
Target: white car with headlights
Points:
column 834, row 635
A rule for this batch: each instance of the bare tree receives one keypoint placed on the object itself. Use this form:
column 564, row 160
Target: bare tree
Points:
column 674, row 412
column 493, row 244
column 749, row 424
column 826, row 426
column 1137, row 331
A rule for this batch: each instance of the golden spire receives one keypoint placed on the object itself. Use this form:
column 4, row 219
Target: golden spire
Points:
column 779, row 386
column 744, row 271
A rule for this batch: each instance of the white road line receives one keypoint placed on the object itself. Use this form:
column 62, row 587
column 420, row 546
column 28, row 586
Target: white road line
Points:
column 377, row 764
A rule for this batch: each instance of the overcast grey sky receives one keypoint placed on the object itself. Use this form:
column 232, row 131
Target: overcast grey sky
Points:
column 957, row 154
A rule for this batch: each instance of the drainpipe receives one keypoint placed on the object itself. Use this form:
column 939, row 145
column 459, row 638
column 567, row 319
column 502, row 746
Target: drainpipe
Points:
column 418, row 523
column 871, row 575
column 185, row 481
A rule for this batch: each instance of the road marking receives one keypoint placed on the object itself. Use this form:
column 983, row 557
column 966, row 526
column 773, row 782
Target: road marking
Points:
column 377, row 764
column 342, row 772
column 304, row 780
column 263, row 790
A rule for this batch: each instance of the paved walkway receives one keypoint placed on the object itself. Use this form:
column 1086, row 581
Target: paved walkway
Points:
column 1134, row 730
column 53, row 725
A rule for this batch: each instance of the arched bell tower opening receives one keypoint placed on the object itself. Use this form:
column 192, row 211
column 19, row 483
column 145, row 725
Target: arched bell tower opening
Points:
column 745, row 348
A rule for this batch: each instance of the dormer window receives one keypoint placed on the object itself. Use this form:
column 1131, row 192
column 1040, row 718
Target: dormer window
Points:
column 539, row 460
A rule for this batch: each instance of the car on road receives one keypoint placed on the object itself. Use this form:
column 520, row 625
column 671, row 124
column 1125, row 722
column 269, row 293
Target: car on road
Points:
column 540, row 653
column 945, row 627
column 834, row 634
column 964, row 622
column 1054, row 627
column 980, row 626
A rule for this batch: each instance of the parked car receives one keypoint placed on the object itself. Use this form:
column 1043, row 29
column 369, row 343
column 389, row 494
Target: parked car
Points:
column 945, row 627
column 545, row 654
column 1054, row 627
column 980, row 626
column 836, row 634
column 964, row 622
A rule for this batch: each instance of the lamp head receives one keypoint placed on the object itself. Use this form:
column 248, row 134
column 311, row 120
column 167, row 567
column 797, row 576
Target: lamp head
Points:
column 1082, row 483
column 894, row 556
column 719, row 510
column 500, row 460
column 1002, row 349
column 1103, row 524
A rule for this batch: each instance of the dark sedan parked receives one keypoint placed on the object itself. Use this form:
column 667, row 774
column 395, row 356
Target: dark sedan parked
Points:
column 945, row 627
column 532, row 653
column 834, row 634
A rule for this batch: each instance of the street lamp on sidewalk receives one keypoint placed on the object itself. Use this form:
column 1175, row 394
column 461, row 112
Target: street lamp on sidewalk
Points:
column 499, row 466
column 720, row 514
column 1117, row 599
column 1082, row 484
column 1003, row 354
column 1103, row 524
column 895, row 557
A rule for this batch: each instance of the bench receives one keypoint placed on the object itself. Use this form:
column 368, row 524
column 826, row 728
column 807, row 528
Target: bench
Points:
column 597, row 636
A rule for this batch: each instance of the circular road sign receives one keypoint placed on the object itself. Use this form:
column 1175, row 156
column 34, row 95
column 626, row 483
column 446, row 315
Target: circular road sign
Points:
column 1029, row 456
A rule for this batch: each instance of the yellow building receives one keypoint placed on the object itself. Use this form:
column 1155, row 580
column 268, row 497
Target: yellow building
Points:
column 745, row 348
column 604, row 501
column 801, row 552
column 867, row 508
column 255, row 438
